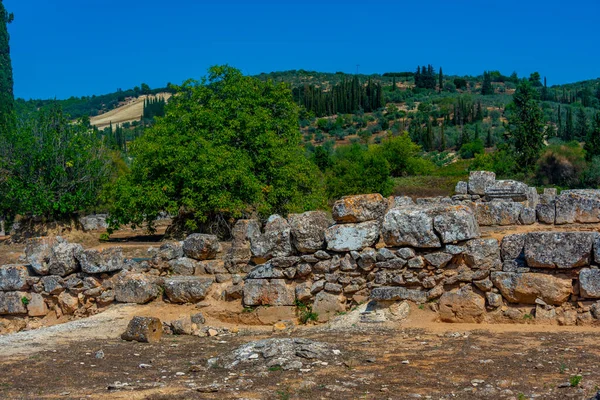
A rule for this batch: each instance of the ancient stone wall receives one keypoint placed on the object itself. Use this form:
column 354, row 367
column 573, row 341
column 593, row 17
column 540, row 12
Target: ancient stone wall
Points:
column 368, row 249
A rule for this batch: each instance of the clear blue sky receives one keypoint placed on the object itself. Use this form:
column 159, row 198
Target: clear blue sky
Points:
column 63, row 48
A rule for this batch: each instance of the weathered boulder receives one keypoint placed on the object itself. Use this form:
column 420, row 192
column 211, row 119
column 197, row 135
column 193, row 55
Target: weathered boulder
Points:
column 395, row 293
column 483, row 254
column 143, row 329
column 93, row 261
column 512, row 246
column 52, row 284
column 136, row 288
column 68, row 303
column 546, row 209
column 275, row 241
column 558, row 249
column 183, row 266
column 187, row 289
column 359, row 208
column 455, row 223
column 93, row 222
column 326, row 305
column 400, row 201
column 243, row 232
column 308, row 230
column 462, row 305
column 533, row 198
column 12, row 303
column 462, row 187
column 507, row 190
column 479, row 181
column 350, row 237
column 201, row 246
column 170, row 251
column 13, row 277
column 589, row 283
column 410, row 227
column 438, row 259
column 527, row 216
column 37, row 306
column 63, row 259
column 581, row 206
column 37, row 253
column 272, row 292
column 498, row 213
column 526, row 288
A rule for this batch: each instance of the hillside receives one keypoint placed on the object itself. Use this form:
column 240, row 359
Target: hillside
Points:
column 129, row 111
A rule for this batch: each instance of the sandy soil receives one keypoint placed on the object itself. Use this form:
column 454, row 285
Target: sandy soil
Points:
column 132, row 111
column 412, row 359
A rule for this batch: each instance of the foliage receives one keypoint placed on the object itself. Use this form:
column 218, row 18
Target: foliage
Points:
column 305, row 312
column 6, row 75
column 228, row 146
column 52, row 167
column 501, row 162
column 575, row 380
column 526, row 126
column 561, row 165
column 24, row 301
column 402, row 155
column 592, row 144
column 471, row 149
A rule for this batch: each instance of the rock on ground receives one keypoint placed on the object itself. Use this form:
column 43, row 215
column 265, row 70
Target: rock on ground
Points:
column 479, row 181
column 187, row 289
column 136, row 288
column 462, row 305
column 286, row 353
column 201, row 246
column 273, row 292
column 326, row 305
column 527, row 287
column 143, row 329
column 93, row 261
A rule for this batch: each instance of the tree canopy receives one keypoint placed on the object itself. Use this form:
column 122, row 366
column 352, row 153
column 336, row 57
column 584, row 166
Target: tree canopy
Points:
column 227, row 147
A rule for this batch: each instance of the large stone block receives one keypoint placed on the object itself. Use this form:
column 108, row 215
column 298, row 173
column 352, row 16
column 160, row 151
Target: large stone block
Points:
column 462, row 305
column 200, row 246
column 136, row 288
column 13, row 277
column 93, row 261
column 274, row 292
column 507, row 190
column 526, row 288
column 327, row 305
column 143, row 329
column 350, row 237
column 589, row 283
column 578, row 206
column 183, row 266
column 483, row 254
column 410, row 227
column 308, row 230
column 558, row 249
column 462, row 187
column 63, row 259
column 275, row 241
column 479, row 181
column 11, row 303
column 187, row 289
column 243, row 232
column 546, row 209
column 455, row 223
column 37, row 253
column 498, row 213
column 359, row 208
column 512, row 246
column 395, row 293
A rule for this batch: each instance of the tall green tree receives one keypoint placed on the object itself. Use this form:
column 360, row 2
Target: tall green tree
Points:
column 592, row 144
column 440, row 81
column 227, row 147
column 6, row 74
column 582, row 124
column 486, row 87
column 526, row 126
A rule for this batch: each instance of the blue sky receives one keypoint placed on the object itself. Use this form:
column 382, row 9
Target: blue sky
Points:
column 64, row 48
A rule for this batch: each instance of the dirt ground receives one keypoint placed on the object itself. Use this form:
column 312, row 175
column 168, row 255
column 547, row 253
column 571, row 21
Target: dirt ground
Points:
column 417, row 358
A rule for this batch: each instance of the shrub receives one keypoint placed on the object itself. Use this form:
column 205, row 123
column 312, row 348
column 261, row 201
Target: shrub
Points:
column 561, row 165
column 469, row 150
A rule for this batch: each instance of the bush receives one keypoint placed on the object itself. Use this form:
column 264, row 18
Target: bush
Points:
column 228, row 146
column 561, row 165
column 501, row 162
column 402, row 154
column 469, row 150
column 51, row 167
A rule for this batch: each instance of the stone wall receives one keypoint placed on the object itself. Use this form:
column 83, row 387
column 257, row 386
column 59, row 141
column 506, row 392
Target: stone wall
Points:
column 368, row 249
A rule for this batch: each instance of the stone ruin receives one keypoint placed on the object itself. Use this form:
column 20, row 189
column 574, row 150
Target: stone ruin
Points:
column 368, row 249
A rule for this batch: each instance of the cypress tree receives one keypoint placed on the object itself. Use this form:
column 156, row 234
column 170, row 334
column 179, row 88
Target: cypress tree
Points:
column 559, row 123
column 489, row 142
column 582, row 124
column 569, row 129
column 440, row 80
column 592, row 144
column 394, row 83
column 6, row 76
column 442, row 138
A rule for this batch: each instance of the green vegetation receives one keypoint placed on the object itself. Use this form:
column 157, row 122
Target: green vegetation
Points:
column 24, row 300
column 305, row 312
column 6, row 76
column 575, row 380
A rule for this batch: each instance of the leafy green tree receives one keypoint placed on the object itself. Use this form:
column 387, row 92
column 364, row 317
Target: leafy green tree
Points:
column 227, row 147
column 486, row 87
column 51, row 167
column 6, row 75
column 592, row 144
column 526, row 126
column 582, row 124
column 440, row 81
